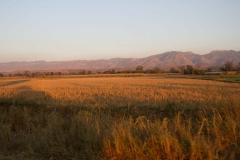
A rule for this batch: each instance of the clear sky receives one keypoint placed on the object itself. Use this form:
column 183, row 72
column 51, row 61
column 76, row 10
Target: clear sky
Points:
column 92, row 29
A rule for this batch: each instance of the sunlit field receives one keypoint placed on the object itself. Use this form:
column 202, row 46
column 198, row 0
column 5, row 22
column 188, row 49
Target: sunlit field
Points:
column 119, row 118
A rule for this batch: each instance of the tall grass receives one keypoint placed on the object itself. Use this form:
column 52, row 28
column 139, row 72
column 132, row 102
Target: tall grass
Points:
column 119, row 118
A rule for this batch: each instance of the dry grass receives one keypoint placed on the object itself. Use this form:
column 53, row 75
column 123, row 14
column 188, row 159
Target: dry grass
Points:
column 119, row 118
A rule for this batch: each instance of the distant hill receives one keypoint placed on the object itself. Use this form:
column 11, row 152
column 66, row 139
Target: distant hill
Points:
column 163, row 61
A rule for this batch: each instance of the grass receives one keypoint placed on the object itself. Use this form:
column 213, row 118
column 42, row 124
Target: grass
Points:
column 119, row 118
column 232, row 79
column 223, row 79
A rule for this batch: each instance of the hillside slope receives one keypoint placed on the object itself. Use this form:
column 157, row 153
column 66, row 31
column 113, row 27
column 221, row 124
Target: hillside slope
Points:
column 164, row 61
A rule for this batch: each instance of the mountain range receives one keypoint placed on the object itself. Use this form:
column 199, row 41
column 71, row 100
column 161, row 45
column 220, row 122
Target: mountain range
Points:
column 164, row 61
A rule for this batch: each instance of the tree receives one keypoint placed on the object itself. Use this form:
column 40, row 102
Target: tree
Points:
column 33, row 74
column 89, row 72
column 10, row 75
column 199, row 71
column 209, row 70
column 238, row 67
column 139, row 68
column 149, row 71
column 26, row 74
column 157, row 70
column 83, row 72
column 173, row 70
column 228, row 66
column 189, row 70
column 113, row 71
column 181, row 68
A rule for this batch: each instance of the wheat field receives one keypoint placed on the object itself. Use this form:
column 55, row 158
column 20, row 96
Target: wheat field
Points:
column 119, row 118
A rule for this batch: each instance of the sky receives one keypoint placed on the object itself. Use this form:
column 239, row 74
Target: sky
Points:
column 59, row 30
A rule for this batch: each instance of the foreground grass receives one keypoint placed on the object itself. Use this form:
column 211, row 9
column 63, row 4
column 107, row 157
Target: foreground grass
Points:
column 119, row 118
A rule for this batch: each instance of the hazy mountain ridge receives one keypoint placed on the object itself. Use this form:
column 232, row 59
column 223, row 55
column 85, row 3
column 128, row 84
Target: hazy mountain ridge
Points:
column 164, row 61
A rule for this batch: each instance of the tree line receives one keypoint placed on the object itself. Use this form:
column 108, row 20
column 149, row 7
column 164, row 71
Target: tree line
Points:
column 229, row 66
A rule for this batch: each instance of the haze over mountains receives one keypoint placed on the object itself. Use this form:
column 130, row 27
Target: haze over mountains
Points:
column 163, row 61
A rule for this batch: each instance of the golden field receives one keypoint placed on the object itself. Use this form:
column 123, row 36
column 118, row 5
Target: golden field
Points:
column 119, row 118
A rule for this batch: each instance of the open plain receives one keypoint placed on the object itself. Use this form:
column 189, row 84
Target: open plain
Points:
column 119, row 118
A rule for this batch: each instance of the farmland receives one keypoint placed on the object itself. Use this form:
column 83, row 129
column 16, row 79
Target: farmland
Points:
column 119, row 118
